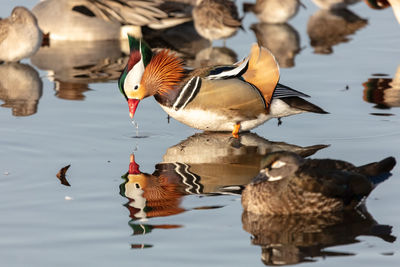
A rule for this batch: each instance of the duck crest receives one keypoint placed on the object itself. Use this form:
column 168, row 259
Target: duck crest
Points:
column 134, row 58
column 163, row 73
column 140, row 47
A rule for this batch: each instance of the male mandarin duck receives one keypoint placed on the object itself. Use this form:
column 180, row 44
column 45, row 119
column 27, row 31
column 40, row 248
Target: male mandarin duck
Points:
column 290, row 184
column 233, row 98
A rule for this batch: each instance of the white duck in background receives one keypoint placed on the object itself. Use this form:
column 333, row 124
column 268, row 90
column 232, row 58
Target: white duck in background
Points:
column 91, row 20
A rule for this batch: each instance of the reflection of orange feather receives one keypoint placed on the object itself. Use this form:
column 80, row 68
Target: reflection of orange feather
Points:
column 162, row 73
column 160, row 193
column 163, row 198
column 263, row 71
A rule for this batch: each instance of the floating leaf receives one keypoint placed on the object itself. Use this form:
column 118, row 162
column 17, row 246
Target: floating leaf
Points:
column 61, row 175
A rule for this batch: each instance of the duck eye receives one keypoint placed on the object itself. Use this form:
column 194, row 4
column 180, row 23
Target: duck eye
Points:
column 278, row 164
column 136, row 87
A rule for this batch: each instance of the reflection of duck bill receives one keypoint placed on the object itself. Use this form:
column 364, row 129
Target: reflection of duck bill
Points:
column 294, row 239
column 282, row 39
column 327, row 28
column 215, row 160
column 81, row 62
column 20, row 88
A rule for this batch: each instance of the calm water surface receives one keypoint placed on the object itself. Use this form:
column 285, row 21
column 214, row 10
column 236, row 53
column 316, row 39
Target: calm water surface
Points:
column 175, row 211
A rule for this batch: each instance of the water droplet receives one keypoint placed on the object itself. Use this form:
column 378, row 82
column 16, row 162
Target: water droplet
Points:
column 136, row 126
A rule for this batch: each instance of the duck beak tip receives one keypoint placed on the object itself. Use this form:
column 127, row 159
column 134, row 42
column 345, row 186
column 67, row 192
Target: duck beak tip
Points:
column 132, row 103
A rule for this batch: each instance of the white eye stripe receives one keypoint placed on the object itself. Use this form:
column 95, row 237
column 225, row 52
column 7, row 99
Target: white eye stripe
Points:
column 273, row 178
column 278, row 164
column 134, row 77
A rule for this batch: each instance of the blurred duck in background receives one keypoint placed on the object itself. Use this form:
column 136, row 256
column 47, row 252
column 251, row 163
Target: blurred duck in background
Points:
column 334, row 4
column 327, row 28
column 20, row 36
column 81, row 62
column 73, row 65
column 70, row 91
column 382, row 4
column 213, row 56
column 282, row 39
column 273, row 11
column 107, row 19
column 20, row 88
column 383, row 91
column 273, row 31
column 216, row 19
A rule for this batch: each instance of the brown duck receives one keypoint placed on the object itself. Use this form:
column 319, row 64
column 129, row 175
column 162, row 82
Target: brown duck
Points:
column 289, row 184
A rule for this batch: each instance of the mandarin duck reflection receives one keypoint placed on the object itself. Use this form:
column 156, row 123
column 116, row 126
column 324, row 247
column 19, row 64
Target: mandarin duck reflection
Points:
column 290, row 184
column 232, row 98
column 215, row 163
column 150, row 195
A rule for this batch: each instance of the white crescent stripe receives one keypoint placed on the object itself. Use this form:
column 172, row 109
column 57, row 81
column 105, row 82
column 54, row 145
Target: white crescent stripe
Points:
column 230, row 73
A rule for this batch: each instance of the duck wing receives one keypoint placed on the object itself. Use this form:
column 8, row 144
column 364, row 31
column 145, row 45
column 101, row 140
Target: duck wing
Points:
column 232, row 98
column 262, row 72
column 333, row 178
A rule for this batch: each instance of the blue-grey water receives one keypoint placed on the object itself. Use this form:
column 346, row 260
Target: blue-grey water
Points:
column 100, row 220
